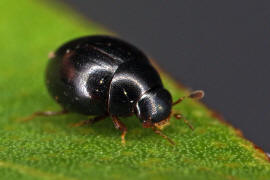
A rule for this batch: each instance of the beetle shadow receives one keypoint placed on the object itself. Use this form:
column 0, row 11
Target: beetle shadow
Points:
column 104, row 127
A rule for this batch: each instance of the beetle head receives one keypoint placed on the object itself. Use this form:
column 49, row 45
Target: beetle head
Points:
column 154, row 108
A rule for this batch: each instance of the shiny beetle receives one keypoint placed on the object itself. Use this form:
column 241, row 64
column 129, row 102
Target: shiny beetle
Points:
column 107, row 77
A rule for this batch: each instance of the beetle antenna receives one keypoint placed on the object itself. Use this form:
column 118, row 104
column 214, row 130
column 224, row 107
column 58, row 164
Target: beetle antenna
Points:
column 198, row 94
column 159, row 132
column 180, row 116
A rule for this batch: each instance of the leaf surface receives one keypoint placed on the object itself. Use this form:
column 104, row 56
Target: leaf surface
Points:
column 49, row 148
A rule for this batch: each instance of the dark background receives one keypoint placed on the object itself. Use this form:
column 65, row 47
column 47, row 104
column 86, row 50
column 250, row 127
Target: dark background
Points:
column 221, row 47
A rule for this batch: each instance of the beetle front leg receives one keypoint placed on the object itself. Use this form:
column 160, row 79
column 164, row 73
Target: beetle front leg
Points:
column 121, row 126
column 44, row 113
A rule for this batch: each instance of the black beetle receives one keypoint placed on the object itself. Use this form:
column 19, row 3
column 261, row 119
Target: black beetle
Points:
column 105, row 76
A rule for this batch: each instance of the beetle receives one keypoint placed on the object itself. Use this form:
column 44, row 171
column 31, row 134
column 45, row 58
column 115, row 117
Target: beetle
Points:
column 104, row 76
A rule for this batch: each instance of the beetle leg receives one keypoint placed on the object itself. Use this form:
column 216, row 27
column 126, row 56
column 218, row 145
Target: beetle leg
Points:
column 121, row 126
column 44, row 113
column 193, row 95
column 180, row 116
column 90, row 121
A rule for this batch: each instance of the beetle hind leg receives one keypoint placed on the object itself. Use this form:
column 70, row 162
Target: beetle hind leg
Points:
column 44, row 114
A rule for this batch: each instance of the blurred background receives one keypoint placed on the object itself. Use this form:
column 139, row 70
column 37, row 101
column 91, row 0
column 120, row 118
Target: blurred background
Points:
column 221, row 47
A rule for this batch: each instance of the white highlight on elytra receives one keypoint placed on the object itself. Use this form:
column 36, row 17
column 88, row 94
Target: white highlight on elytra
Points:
column 125, row 92
column 85, row 74
column 101, row 81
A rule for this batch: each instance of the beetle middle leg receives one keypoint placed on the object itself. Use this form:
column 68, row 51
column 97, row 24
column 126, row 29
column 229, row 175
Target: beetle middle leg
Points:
column 121, row 126
column 44, row 113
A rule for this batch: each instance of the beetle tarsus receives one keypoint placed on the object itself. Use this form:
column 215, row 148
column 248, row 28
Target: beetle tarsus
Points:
column 121, row 126
column 43, row 113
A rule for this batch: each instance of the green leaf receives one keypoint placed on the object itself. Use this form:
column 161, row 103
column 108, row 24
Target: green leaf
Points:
column 49, row 148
